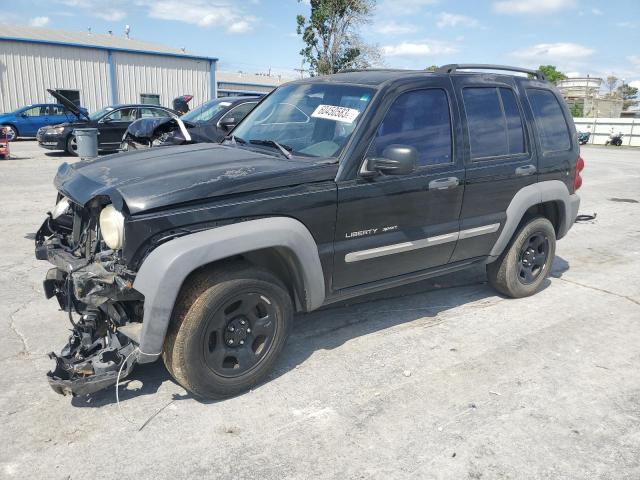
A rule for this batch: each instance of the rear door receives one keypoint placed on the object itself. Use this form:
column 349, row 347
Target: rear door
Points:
column 113, row 126
column 392, row 225
column 499, row 158
column 58, row 114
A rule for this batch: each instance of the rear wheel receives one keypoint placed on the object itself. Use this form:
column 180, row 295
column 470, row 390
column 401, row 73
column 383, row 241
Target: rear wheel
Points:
column 72, row 145
column 523, row 266
column 12, row 132
column 227, row 330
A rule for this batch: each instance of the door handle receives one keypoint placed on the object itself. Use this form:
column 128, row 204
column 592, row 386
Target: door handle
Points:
column 525, row 170
column 444, row 183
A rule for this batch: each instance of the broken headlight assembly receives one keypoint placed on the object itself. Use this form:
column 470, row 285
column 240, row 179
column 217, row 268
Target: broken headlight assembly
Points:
column 112, row 227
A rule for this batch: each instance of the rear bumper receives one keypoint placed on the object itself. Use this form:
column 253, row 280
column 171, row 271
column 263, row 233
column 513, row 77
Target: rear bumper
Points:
column 571, row 212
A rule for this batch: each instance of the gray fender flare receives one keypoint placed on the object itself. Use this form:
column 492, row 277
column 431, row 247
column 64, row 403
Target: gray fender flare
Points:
column 163, row 272
column 527, row 197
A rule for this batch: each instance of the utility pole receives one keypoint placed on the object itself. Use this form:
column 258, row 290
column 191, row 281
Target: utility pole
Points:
column 301, row 69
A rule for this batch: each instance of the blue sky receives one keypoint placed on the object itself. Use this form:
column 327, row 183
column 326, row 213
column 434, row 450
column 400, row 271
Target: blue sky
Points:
column 579, row 36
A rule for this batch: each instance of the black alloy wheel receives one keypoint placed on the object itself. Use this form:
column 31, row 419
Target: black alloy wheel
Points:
column 239, row 334
column 533, row 258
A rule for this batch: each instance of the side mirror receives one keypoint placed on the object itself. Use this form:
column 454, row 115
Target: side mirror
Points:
column 228, row 123
column 395, row 160
column 23, row 115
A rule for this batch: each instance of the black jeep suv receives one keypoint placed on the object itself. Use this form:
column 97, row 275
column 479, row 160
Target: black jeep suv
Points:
column 331, row 187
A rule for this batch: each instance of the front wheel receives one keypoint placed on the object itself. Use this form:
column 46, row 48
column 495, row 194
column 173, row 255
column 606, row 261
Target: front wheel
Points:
column 11, row 132
column 523, row 266
column 227, row 330
column 72, row 145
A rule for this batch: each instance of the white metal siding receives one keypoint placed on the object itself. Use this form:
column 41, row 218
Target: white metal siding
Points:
column 28, row 69
column 168, row 77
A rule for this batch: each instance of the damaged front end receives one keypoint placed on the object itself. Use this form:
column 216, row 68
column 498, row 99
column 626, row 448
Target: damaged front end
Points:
column 89, row 280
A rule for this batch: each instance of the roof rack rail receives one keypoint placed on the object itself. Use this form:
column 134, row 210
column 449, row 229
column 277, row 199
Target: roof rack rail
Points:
column 453, row 67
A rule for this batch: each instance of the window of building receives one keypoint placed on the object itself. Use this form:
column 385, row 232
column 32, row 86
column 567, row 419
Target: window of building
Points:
column 494, row 122
column 149, row 99
column 419, row 119
column 554, row 133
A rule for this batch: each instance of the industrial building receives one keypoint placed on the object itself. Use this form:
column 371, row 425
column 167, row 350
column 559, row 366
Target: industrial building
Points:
column 585, row 100
column 95, row 70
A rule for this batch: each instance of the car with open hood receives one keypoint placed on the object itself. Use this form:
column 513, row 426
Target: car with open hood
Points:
column 27, row 120
column 330, row 188
column 210, row 122
column 111, row 121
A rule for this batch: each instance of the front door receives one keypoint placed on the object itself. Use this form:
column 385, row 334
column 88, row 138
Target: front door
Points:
column 391, row 225
column 112, row 127
column 33, row 119
column 499, row 159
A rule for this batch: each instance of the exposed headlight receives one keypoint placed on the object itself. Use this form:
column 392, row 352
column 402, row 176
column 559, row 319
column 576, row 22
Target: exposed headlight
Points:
column 54, row 130
column 112, row 227
column 61, row 208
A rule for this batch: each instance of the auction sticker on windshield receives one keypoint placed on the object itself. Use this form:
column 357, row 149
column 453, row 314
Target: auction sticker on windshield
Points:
column 339, row 114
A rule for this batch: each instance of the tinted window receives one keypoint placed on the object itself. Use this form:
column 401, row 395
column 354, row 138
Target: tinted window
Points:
column 150, row 99
column 239, row 112
column 515, row 130
column 554, row 134
column 419, row 119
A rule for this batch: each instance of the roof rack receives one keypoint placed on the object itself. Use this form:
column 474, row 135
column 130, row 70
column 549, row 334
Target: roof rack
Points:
column 453, row 67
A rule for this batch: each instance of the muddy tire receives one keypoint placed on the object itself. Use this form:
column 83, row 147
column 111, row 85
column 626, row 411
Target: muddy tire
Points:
column 526, row 262
column 227, row 330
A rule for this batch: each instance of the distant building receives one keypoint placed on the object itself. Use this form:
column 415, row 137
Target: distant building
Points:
column 584, row 98
column 95, row 70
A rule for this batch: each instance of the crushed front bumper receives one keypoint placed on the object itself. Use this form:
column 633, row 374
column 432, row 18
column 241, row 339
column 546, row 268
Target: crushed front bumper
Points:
column 101, row 292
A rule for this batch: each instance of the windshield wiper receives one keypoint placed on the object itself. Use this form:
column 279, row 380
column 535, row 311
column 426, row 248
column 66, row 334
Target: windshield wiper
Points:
column 284, row 149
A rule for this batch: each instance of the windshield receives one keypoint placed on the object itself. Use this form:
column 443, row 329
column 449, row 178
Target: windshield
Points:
column 206, row 111
column 309, row 119
column 100, row 113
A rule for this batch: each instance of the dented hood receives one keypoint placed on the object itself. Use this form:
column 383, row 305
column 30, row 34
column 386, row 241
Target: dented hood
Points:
column 160, row 177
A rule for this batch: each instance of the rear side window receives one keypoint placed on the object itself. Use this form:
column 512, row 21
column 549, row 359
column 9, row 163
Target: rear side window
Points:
column 494, row 122
column 554, row 133
column 419, row 119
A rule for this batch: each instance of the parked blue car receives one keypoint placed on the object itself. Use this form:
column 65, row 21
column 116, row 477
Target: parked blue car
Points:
column 26, row 121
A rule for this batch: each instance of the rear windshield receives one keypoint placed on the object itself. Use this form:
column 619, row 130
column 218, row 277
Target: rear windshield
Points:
column 554, row 132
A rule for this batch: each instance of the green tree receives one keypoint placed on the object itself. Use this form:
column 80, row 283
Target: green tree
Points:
column 629, row 95
column 577, row 110
column 431, row 68
column 552, row 73
column 331, row 39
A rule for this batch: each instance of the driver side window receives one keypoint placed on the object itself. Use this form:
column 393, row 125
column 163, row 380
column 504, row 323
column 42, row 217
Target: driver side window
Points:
column 419, row 119
column 36, row 112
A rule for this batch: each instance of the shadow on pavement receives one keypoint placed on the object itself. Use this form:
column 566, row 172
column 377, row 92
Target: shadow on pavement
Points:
column 331, row 327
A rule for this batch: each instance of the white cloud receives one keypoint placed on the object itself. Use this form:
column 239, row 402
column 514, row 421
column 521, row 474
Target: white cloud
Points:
column 563, row 53
column 635, row 59
column 410, row 49
column 635, row 83
column 203, row 13
column 394, row 28
column 597, row 11
column 446, row 19
column 514, row 7
column 111, row 15
column 39, row 21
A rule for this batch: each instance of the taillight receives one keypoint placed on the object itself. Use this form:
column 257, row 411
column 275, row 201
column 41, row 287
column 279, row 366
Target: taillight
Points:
column 577, row 181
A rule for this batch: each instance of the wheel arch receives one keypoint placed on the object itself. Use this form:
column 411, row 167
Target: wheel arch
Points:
column 281, row 244
column 15, row 129
column 550, row 199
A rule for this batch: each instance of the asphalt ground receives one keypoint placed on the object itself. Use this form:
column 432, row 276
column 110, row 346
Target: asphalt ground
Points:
column 441, row 379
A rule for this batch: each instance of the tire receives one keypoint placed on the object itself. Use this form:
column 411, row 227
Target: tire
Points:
column 11, row 128
column 208, row 349
column 72, row 146
column 526, row 262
